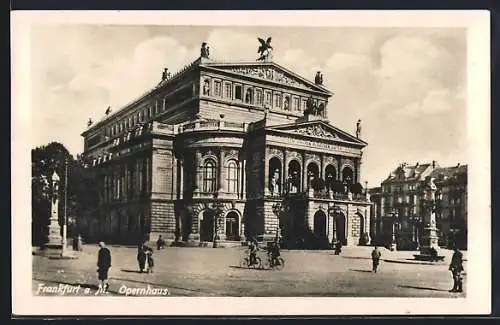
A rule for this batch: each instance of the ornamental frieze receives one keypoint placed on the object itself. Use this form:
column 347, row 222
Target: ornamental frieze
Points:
column 317, row 131
column 268, row 74
column 293, row 155
column 310, row 157
column 327, row 160
column 274, row 152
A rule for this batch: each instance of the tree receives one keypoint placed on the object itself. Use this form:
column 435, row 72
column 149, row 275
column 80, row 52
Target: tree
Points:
column 82, row 192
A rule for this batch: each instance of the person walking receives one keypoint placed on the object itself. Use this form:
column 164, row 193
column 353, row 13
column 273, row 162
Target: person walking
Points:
column 375, row 259
column 103, row 265
column 456, row 268
column 141, row 257
column 151, row 262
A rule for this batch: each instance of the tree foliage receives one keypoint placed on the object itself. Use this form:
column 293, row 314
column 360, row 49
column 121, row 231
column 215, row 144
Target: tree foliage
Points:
column 81, row 193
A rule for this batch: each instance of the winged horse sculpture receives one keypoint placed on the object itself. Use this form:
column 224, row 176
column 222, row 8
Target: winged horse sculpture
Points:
column 265, row 49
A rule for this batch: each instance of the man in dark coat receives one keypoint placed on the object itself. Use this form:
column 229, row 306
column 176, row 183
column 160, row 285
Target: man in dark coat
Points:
column 375, row 259
column 141, row 257
column 103, row 265
column 456, row 268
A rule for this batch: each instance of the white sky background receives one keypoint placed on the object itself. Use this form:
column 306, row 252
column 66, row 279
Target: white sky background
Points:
column 408, row 85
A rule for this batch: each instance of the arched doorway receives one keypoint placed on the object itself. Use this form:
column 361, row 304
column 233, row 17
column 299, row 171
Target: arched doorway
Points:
column 232, row 226
column 320, row 224
column 293, row 178
column 347, row 174
column 207, row 225
column 274, row 180
column 340, row 228
column 312, row 173
column 330, row 177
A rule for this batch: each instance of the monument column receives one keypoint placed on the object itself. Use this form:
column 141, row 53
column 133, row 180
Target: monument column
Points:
column 55, row 238
column 429, row 241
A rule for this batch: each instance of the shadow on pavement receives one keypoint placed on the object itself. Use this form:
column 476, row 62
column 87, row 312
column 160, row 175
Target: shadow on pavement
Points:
column 365, row 271
column 248, row 268
column 357, row 257
column 422, row 288
column 131, row 271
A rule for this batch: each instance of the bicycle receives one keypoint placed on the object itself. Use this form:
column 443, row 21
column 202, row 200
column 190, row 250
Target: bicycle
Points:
column 245, row 262
column 276, row 266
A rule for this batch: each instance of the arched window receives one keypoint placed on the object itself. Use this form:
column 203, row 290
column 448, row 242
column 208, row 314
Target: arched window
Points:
column 232, row 177
column 209, row 176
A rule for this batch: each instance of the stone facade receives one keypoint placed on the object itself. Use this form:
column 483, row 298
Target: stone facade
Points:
column 227, row 151
column 399, row 210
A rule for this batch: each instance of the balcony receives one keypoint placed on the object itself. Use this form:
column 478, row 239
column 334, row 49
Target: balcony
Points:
column 213, row 125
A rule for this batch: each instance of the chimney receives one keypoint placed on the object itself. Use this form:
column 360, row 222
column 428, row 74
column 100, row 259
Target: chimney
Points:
column 433, row 164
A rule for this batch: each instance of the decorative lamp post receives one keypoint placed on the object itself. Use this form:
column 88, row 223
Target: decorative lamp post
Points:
column 217, row 208
column 430, row 203
column 395, row 223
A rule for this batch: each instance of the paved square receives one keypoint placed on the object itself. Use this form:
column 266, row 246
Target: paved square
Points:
column 216, row 272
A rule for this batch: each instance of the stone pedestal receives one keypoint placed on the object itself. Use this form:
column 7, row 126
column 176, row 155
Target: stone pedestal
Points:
column 429, row 241
column 54, row 244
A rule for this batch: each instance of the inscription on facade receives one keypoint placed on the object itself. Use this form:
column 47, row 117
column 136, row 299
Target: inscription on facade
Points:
column 269, row 74
column 310, row 145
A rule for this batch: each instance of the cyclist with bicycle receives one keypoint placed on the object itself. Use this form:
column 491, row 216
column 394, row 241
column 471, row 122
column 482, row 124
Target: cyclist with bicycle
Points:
column 252, row 246
column 274, row 252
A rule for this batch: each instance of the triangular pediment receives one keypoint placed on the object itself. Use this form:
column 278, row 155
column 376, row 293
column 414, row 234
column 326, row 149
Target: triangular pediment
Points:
column 318, row 129
column 268, row 71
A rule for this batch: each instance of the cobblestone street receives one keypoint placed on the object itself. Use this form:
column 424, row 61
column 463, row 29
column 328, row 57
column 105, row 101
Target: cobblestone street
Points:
column 216, row 272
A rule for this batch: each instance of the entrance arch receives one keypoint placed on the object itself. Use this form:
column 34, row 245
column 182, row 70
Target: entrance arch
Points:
column 340, row 228
column 274, row 174
column 320, row 226
column 312, row 173
column 207, row 225
column 330, row 177
column 294, row 173
column 348, row 174
column 232, row 226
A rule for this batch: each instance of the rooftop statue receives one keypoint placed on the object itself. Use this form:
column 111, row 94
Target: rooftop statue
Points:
column 165, row 75
column 318, row 80
column 205, row 50
column 265, row 49
column 108, row 111
column 90, row 122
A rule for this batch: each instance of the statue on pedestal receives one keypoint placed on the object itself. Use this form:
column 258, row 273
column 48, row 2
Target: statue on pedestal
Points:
column 318, row 79
column 358, row 129
column 275, row 183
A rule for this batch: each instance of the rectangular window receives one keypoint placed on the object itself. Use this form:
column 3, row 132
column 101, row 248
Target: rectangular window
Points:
column 217, row 89
column 277, row 100
column 258, row 97
column 304, row 104
column 238, row 92
column 295, row 104
column 228, row 91
column 268, row 98
column 232, row 177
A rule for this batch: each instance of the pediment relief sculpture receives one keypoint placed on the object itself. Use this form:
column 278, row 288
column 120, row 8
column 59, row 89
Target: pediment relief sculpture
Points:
column 269, row 74
column 317, row 131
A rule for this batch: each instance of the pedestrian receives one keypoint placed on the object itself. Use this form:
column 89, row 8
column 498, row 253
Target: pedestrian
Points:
column 141, row 257
column 151, row 262
column 338, row 247
column 160, row 243
column 375, row 259
column 103, row 265
column 456, row 268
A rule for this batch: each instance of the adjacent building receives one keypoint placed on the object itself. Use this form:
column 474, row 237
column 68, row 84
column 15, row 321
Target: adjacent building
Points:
column 227, row 150
column 398, row 207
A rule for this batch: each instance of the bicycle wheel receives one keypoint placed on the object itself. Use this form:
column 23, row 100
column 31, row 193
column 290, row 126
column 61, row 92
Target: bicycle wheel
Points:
column 244, row 262
column 280, row 263
column 258, row 263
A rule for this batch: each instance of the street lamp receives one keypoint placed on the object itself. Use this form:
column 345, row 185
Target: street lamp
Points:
column 395, row 216
column 217, row 208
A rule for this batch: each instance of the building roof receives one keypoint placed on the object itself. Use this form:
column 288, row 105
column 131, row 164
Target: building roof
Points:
column 286, row 74
column 444, row 173
column 410, row 172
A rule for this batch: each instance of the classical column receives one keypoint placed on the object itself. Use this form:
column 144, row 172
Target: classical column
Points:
column 181, row 178
column 244, row 179
column 126, row 181
column 304, row 174
column 197, row 170
column 266, row 175
column 221, row 171
column 283, row 174
column 148, row 175
column 174, row 178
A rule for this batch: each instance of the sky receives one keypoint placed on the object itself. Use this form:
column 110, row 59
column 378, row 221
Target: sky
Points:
column 407, row 85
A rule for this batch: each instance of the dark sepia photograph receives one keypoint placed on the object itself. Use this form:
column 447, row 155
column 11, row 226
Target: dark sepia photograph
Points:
column 265, row 160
